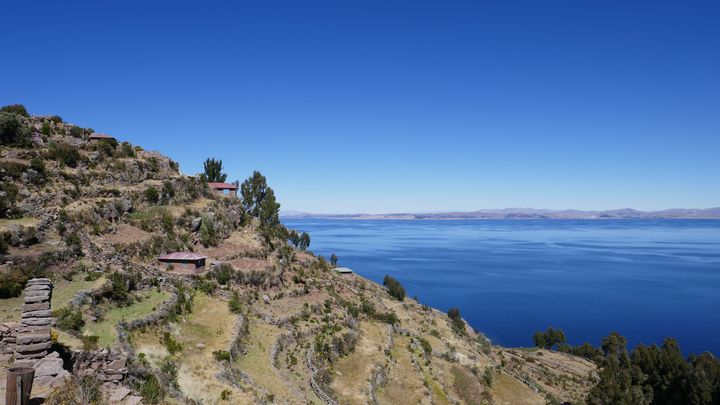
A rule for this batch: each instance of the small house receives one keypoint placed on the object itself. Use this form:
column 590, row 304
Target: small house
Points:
column 344, row 270
column 226, row 189
column 101, row 137
column 184, row 261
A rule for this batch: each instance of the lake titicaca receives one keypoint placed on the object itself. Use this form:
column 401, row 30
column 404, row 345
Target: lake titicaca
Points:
column 646, row 279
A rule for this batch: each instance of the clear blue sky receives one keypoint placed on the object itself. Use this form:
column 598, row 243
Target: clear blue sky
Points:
column 390, row 106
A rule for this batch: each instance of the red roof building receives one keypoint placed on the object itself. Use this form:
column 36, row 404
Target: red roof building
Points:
column 226, row 189
column 184, row 261
column 100, row 137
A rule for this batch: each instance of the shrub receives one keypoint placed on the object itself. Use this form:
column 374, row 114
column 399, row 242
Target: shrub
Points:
column 46, row 129
column 152, row 195
column 208, row 236
column 3, row 245
column 172, row 345
column 17, row 109
column 457, row 323
column 8, row 197
column 234, row 303
column 56, row 119
column 225, row 394
column 151, row 390
column 12, row 130
column 106, row 146
column 206, row 286
column 69, row 318
column 90, row 342
column 127, row 150
column 38, row 165
column 12, row 282
column 425, row 345
column 221, row 355
column 394, row 288
column 223, row 273
column 65, row 154
column 77, row 390
column 76, row 131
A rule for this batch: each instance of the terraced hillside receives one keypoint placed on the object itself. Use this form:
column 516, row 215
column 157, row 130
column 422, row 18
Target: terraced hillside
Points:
column 264, row 321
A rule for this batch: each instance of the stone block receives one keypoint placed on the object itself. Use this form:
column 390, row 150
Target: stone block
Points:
column 37, row 321
column 33, row 329
column 29, row 348
column 45, row 313
column 38, row 287
column 25, row 362
column 31, row 338
column 116, row 364
column 39, row 281
column 40, row 306
column 31, row 299
column 43, row 381
column 33, row 355
column 133, row 400
column 112, row 377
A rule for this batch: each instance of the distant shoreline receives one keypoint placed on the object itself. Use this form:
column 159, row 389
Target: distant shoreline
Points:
column 706, row 214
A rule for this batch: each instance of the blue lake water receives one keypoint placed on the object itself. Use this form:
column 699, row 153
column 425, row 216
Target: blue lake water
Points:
column 647, row 279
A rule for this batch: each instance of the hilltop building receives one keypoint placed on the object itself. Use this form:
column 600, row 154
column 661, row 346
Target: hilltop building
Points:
column 226, row 189
column 101, row 137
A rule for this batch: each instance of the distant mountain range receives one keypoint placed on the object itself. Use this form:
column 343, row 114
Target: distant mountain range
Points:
column 523, row 213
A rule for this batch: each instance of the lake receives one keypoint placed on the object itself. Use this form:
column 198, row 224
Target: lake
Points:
column 647, row 279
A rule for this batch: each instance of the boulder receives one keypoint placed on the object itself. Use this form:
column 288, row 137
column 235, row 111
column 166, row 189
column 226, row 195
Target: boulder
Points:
column 51, row 367
column 266, row 299
column 116, row 366
column 133, row 400
column 119, row 394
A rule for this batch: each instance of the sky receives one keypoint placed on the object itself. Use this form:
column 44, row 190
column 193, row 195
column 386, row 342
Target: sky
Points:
column 394, row 106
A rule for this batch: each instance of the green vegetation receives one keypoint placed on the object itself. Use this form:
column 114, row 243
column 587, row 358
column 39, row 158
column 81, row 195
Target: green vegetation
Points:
column 213, row 171
column 17, row 109
column 171, row 344
column 234, row 303
column 333, row 260
column 13, row 131
column 457, row 323
column 208, row 236
column 69, row 319
column 151, row 390
column 549, row 339
column 152, row 195
column 394, row 288
column 64, row 154
column 221, row 355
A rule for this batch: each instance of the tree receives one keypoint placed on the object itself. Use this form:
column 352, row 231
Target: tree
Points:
column 304, row 242
column 458, row 325
column 152, row 195
column 294, row 238
column 269, row 212
column 254, row 190
column 333, row 260
column 394, row 288
column 17, row 109
column 213, row 171
column 549, row 339
column 12, row 130
column 621, row 382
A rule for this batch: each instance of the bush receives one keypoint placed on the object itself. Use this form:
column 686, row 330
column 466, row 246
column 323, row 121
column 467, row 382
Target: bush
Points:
column 152, row 195
column 12, row 130
column 90, row 342
column 208, row 236
column 457, row 323
column 77, row 390
column 172, row 345
column 221, row 355
column 234, row 304
column 65, row 154
column 46, row 129
column 127, row 150
column 394, row 288
column 17, row 109
column 38, row 165
column 151, row 390
column 12, row 283
column 56, row 119
column 106, row 146
column 427, row 348
column 223, row 273
column 8, row 197
column 69, row 318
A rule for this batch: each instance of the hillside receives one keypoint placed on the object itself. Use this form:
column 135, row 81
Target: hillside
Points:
column 264, row 321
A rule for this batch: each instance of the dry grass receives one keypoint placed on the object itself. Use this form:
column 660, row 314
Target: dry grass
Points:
column 257, row 362
column 509, row 391
column 352, row 372
column 208, row 328
column 405, row 382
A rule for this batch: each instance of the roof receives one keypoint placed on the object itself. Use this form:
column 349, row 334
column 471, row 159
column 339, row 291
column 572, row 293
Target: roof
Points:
column 222, row 186
column 343, row 270
column 182, row 256
column 96, row 135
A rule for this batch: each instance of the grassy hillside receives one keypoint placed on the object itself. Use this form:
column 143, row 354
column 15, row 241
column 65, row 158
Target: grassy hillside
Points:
column 267, row 322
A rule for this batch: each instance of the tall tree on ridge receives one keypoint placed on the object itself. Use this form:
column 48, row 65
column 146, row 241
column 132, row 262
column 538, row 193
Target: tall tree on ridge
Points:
column 213, row 171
